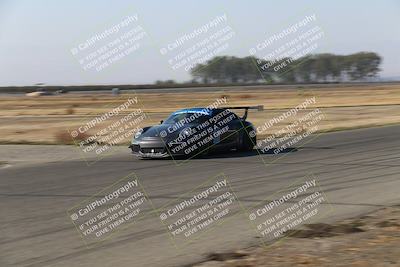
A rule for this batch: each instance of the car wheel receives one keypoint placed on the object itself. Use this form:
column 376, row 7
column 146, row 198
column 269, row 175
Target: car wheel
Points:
column 247, row 141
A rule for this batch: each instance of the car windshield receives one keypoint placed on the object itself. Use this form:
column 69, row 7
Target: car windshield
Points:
column 188, row 117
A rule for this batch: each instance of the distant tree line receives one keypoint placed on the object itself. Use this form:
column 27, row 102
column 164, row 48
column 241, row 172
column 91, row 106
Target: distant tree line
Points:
column 361, row 66
column 227, row 70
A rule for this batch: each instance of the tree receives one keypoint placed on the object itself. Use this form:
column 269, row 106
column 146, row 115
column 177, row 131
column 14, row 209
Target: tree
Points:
column 310, row 68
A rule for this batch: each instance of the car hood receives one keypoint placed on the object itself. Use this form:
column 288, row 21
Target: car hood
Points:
column 157, row 131
column 154, row 131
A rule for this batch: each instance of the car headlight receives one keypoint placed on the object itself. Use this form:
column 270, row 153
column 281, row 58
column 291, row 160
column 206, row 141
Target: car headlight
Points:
column 138, row 133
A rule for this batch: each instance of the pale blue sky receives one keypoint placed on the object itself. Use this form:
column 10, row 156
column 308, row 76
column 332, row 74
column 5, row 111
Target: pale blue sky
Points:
column 36, row 35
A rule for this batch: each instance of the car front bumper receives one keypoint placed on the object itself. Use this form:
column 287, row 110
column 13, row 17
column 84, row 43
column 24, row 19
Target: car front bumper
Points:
column 151, row 148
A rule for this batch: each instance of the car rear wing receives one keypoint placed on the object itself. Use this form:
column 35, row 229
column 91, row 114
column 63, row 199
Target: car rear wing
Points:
column 246, row 109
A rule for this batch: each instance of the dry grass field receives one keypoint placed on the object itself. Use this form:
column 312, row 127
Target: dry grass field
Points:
column 46, row 119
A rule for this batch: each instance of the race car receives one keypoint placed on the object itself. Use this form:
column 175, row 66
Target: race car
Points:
column 194, row 131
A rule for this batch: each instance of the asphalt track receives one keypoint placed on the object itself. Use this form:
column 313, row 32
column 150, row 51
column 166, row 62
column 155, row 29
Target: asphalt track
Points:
column 357, row 170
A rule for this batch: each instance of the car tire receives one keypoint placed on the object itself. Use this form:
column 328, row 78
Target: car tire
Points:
column 247, row 142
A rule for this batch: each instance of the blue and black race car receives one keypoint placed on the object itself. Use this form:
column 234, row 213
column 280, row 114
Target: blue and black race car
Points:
column 194, row 131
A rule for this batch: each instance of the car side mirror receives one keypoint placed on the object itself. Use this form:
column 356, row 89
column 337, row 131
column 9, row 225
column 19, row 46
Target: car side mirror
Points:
column 161, row 121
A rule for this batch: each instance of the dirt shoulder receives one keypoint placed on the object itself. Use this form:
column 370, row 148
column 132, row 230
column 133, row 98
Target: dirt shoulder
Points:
column 370, row 240
column 47, row 119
